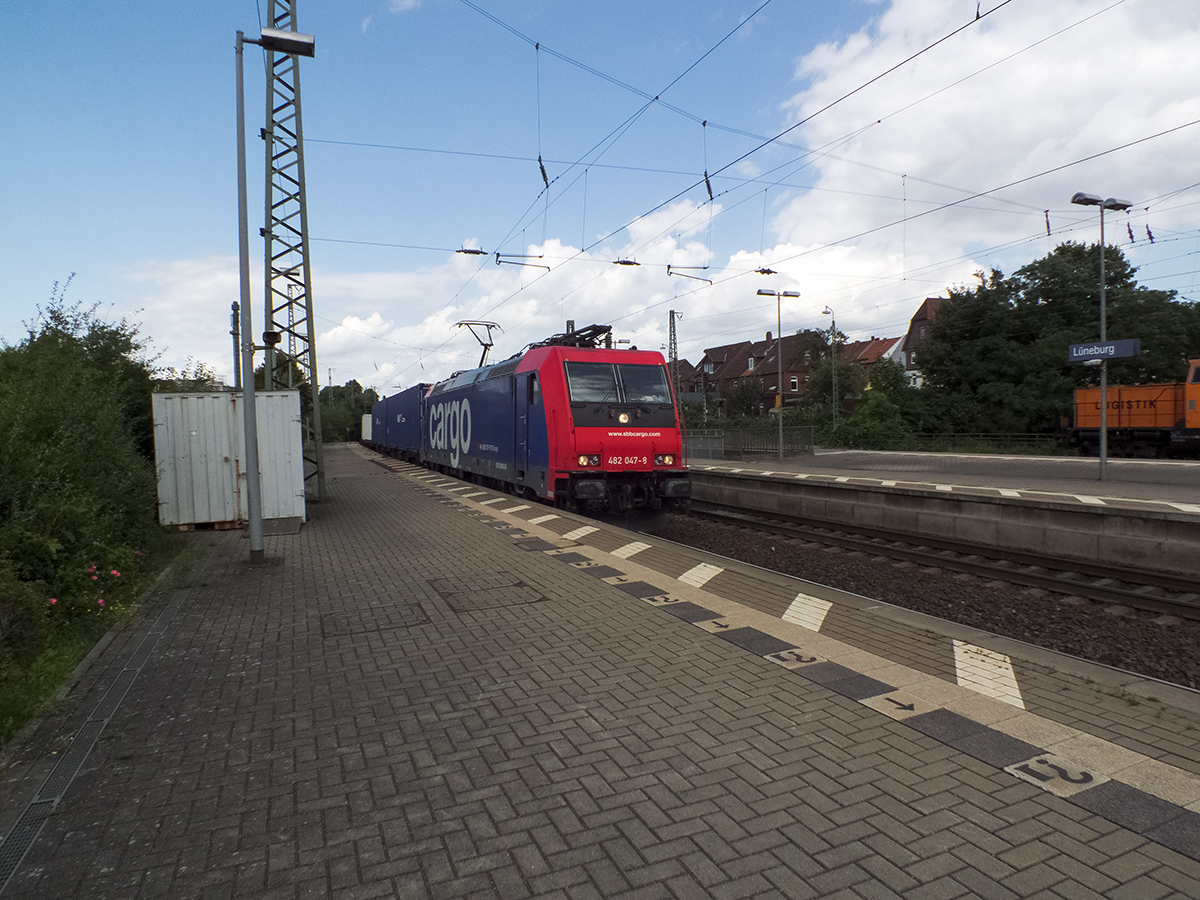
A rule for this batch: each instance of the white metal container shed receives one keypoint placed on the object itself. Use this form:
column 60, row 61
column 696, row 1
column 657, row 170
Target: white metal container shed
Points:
column 199, row 449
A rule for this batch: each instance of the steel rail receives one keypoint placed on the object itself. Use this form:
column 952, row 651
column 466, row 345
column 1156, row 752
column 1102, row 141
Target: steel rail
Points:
column 1153, row 592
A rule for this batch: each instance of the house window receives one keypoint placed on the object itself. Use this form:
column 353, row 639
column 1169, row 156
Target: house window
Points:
column 795, row 383
column 708, row 368
column 750, row 364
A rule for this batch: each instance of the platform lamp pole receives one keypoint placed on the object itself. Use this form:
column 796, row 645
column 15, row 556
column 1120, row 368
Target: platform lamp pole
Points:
column 779, row 355
column 301, row 45
column 1082, row 199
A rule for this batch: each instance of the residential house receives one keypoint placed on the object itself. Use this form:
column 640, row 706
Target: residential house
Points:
column 685, row 379
column 717, row 372
column 799, row 354
column 918, row 330
column 867, row 353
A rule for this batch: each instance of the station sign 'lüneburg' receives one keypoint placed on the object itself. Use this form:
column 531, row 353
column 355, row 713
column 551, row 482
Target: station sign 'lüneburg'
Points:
column 1104, row 350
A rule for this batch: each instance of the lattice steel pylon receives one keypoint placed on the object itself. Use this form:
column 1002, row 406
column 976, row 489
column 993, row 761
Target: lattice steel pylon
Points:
column 288, row 292
column 673, row 356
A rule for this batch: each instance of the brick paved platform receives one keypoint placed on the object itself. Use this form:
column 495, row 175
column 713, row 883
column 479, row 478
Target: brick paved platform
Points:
column 439, row 691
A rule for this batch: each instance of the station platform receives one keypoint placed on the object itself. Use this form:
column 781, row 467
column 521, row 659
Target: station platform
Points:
column 437, row 690
column 1160, row 486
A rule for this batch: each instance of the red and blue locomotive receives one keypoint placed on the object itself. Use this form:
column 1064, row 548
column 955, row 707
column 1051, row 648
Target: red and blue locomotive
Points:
column 568, row 421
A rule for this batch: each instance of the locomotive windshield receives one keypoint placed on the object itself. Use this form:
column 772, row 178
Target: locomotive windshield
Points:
column 591, row 382
column 644, row 384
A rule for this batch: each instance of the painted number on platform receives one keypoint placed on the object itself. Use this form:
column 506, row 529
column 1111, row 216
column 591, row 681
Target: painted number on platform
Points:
column 791, row 656
column 1057, row 775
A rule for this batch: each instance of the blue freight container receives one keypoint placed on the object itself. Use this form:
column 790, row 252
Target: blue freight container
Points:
column 398, row 422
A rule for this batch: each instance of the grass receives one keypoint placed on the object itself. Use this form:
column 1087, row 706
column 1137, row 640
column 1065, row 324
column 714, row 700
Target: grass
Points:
column 31, row 689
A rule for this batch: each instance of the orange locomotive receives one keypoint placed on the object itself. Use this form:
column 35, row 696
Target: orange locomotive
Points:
column 1143, row 420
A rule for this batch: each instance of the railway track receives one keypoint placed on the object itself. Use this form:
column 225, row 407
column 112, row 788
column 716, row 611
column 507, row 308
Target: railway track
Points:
column 1145, row 591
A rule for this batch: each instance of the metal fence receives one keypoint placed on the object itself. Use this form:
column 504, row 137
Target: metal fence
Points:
column 746, row 443
column 1033, row 444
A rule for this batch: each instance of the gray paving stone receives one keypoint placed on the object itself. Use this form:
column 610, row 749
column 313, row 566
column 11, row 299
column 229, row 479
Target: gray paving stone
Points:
column 407, row 701
column 1128, row 807
column 689, row 612
column 995, row 748
column 944, row 725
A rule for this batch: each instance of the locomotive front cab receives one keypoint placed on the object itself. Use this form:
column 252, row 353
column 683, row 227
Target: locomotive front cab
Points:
column 625, row 434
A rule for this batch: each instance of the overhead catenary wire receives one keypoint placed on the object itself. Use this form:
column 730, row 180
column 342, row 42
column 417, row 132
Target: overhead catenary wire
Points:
column 621, row 129
column 810, row 155
column 1040, row 212
column 793, row 127
column 944, row 206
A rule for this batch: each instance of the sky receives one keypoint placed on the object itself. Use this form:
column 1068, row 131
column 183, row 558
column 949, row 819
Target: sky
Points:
column 872, row 153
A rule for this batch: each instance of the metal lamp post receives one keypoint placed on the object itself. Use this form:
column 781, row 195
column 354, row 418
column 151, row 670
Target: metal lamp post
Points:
column 779, row 354
column 1082, row 199
column 833, row 359
column 282, row 42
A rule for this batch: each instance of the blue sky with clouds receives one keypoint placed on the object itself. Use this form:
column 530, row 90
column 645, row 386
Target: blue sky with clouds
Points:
column 918, row 163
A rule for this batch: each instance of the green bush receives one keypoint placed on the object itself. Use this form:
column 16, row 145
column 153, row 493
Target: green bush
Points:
column 78, row 499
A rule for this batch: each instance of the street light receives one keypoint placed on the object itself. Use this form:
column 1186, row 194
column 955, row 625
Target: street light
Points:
column 1082, row 199
column 833, row 359
column 779, row 354
column 300, row 45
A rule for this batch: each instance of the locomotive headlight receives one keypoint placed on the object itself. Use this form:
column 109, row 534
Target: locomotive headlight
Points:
column 585, row 460
column 623, row 418
column 664, row 459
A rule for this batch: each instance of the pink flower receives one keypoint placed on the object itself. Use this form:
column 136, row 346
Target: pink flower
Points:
column 101, row 601
column 53, row 600
column 94, row 577
column 115, row 572
column 92, row 569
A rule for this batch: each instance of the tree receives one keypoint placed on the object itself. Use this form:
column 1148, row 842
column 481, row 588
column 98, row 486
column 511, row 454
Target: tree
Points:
column 746, row 397
column 851, row 382
column 77, row 479
column 875, row 424
column 996, row 357
column 195, row 377
column 342, row 409
column 887, row 377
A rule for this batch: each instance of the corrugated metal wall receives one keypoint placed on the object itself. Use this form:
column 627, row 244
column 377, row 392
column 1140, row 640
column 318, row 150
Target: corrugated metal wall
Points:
column 199, row 450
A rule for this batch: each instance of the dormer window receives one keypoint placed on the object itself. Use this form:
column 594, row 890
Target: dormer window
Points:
column 750, row 364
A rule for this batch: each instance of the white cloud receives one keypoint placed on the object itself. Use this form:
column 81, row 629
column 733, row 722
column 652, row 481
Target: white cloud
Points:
column 184, row 307
column 987, row 108
column 857, row 229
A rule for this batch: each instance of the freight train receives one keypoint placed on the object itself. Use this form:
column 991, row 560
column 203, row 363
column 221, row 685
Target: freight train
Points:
column 1143, row 420
column 568, row 421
